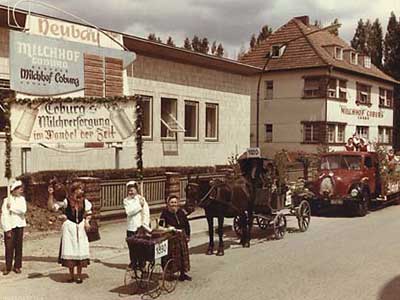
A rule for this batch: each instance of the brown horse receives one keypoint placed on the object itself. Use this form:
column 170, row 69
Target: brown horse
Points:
column 222, row 199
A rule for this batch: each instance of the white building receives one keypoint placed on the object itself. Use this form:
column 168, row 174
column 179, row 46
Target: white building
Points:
column 196, row 106
column 317, row 90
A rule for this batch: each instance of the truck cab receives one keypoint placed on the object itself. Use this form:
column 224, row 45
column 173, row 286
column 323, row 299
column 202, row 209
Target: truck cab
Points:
column 346, row 178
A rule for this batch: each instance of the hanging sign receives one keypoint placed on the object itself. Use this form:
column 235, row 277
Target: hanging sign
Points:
column 46, row 66
column 72, row 122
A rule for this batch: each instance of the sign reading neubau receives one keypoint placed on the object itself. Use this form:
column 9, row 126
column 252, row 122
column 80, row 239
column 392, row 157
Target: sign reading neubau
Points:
column 67, row 122
column 47, row 66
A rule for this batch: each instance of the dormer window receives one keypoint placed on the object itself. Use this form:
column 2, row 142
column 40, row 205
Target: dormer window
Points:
column 277, row 50
column 338, row 53
column 367, row 62
column 353, row 58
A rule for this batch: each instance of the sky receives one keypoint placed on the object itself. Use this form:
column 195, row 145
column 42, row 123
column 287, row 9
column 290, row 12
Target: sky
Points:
column 230, row 22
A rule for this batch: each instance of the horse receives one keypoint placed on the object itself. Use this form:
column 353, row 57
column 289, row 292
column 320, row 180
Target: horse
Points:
column 222, row 199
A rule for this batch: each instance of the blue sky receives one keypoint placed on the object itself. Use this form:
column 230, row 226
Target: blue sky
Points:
column 229, row 22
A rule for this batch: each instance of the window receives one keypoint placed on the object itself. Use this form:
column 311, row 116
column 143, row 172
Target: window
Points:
column 385, row 98
column 331, row 133
column 313, row 87
column 277, row 50
column 385, row 135
column 147, row 107
column 168, row 118
column 353, row 58
column 363, row 94
column 311, row 132
column 341, row 133
column 211, row 121
column 363, row 131
column 269, row 90
column 191, row 119
column 268, row 133
column 338, row 53
column 342, row 90
column 367, row 62
column 332, row 88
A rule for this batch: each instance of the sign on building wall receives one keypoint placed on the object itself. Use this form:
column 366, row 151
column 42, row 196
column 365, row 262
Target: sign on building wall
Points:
column 47, row 66
column 71, row 122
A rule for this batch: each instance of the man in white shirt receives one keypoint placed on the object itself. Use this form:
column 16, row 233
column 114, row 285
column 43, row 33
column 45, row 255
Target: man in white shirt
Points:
column 13, row 223
column 137, row 212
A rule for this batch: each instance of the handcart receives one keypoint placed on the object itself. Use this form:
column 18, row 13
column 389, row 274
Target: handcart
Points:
column 152, row 271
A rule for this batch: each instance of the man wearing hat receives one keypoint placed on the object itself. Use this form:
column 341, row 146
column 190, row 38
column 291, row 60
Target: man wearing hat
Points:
column 137, row 212
column 13, row 223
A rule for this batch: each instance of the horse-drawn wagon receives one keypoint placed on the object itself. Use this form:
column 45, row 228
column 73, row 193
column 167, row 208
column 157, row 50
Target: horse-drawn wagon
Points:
column 273, row 199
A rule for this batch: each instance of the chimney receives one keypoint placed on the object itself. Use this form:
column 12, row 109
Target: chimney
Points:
column 304, row 19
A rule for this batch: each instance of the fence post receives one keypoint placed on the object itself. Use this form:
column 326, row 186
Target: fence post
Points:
column 92, row 193
column 172, row 185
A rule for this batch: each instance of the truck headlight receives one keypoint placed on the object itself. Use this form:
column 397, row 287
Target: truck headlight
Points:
column 354, row 192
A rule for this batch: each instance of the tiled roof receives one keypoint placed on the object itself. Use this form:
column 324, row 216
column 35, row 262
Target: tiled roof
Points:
column 308, row 51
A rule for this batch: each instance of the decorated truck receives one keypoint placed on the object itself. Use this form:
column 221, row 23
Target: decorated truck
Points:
column 355, row 180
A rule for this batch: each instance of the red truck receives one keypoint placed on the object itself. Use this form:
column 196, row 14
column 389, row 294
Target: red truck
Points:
column 352, row 179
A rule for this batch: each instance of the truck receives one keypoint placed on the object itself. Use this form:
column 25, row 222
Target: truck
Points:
column 354, row 180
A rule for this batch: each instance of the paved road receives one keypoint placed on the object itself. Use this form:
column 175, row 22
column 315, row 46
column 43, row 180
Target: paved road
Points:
column 338, row 258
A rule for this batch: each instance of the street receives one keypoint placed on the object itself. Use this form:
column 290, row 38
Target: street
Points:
column 337, row 258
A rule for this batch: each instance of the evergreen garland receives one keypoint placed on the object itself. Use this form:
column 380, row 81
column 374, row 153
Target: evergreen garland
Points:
column 28, row 101
column 139, row 136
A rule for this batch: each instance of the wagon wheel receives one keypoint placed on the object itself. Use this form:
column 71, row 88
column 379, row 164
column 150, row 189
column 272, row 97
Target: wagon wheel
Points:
column 236, row 226
column 262, row 223
column 279, row 224
column 154, row 281
column 304, row 215
column 141, row 273
column 170, row 277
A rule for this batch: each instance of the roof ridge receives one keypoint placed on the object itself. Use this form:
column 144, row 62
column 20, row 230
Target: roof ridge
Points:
column 309, row 42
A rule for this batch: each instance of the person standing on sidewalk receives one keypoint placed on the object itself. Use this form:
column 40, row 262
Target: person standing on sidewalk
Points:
column 137, row 212
column 74, row 248
column 13, row 223
column 174, row 216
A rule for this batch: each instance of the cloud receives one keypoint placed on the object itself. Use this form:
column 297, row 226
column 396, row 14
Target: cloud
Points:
column 230, row 22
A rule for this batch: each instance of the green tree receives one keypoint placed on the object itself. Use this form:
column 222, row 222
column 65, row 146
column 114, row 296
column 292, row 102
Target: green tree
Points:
column 196, row 44
column 359, row 41
column 170, row 42
column 214, row 48
column 220, row 50
column 264, row 34
column 204, row 46
column 187, row 44
column 392, row 47
column 253, row 41
column 375, row 42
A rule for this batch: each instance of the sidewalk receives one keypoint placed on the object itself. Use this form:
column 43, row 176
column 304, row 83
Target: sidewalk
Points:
column 40, row 253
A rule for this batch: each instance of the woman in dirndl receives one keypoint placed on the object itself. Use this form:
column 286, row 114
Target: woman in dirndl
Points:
column 173, row 216
column 74, row 248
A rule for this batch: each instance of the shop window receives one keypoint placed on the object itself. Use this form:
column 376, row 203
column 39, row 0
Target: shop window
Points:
column 363, row 94
column 268, row 133
column 191, row 119
column 385, row 135
column 169, row 123
column 147, row 107
column 363, row 131
column 211, row 121
column 269, row 90
column 331, row 133
column 341, row 133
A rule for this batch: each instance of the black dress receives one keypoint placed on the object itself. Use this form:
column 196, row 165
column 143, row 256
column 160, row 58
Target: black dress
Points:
column 178, row 249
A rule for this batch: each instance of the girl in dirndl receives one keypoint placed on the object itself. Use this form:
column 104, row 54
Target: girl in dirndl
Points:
column 74, row 248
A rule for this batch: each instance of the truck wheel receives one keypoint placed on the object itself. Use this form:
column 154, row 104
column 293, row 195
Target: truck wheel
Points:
column 362, row 205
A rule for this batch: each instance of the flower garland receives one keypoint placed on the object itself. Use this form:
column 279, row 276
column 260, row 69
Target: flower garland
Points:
column 139, row 136
column 28, row 101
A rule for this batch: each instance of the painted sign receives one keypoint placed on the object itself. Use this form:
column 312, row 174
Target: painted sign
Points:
column 46, row 66
column 72, row 122
column 361, row 113
column 72, row 32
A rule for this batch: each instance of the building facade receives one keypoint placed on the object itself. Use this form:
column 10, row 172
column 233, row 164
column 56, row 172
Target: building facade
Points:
column 196, row 107
column 317, row 91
